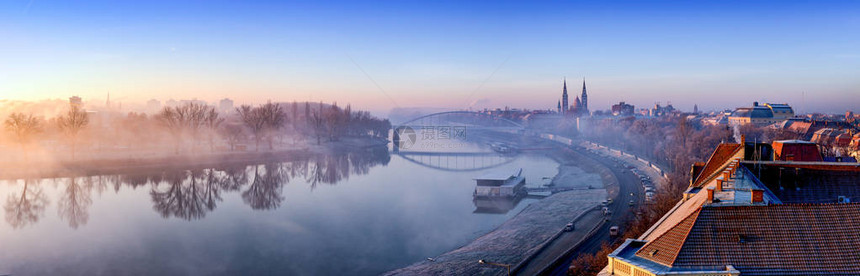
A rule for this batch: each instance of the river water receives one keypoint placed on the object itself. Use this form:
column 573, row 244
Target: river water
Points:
column 358, row 213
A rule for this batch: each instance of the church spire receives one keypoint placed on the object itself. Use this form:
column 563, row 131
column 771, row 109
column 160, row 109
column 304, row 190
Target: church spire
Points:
column 584, row 98
column 564, row 103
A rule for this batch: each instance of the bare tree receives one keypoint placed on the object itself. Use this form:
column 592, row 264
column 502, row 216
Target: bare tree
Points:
column 23, row 127
column 72, row 123
column 275, row 118
column 255, row 123
column 318, row 123
column 232, row 134
column 333, row 121
column 172, row 119
column 189, row 118
column 264, row 121
column 212, row 121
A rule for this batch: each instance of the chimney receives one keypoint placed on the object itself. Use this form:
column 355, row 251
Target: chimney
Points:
column 720, row 181
column 711, row 195
column 743, row 139
column 757, row 196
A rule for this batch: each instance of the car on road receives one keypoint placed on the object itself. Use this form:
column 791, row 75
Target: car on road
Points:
column 613, row 231
column 649, row 196
column 632, row 202
column 569, row 227
column 609, row 201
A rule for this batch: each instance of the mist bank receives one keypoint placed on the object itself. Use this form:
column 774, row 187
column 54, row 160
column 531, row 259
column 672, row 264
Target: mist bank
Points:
column 81, row 139
column 190, row 130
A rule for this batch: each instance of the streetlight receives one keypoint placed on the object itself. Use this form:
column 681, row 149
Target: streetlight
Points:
column 482, row 261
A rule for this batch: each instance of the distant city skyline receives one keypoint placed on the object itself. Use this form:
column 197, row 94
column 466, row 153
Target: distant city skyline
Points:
column 435, row 54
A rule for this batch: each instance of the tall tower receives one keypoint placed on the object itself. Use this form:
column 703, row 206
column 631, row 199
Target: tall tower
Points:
column 584, row 99
column 559, row 106
column 564, row 105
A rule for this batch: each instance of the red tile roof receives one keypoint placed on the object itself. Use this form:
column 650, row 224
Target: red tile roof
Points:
column 723, row 153
column 665, row 248
column 785, row 239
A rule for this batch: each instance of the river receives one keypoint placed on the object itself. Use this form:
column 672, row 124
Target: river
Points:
column 356, row 213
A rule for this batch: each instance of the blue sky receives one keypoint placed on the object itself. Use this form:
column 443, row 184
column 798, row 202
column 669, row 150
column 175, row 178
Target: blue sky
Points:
column 380, row 55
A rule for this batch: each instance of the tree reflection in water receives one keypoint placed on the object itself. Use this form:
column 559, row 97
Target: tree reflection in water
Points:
column 191, row 194
column 74, row 204
column 331, row 169
column 26, row 208
column 265, row 190
column 186, row 194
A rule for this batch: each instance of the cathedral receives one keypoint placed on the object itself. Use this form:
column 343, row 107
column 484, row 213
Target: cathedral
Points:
column 579, row 108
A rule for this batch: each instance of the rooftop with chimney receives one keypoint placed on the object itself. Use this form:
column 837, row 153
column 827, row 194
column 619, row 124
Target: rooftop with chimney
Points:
column 749, row 214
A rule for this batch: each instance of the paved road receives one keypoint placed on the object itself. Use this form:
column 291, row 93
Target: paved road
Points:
column 621, row 211
column 561, row 244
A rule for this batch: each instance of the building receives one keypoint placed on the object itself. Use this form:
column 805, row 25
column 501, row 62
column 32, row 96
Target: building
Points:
column 500, row 185
column 623, row 109
column 76, row 101
column 781, row 111
column 745, row 217
column 658, row 110
column 225, row 106
column 580, row 103
column 795, row 150
column 761, row 115
column 830, row 137
column 153, row 106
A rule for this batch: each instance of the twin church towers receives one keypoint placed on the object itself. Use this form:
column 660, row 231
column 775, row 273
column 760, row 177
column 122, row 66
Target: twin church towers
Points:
column 579, row 108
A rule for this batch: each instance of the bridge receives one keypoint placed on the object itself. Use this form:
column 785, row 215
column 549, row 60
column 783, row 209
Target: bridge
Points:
column 441, row 134
column 456, row 161
column 466, row 119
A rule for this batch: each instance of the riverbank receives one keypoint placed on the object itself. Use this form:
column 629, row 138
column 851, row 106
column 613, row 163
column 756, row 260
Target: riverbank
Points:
column 524, row 235
column 136, row 163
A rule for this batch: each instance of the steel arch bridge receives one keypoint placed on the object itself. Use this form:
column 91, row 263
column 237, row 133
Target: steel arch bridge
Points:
column 457, row 161
column 451, row 121
column 462, row 118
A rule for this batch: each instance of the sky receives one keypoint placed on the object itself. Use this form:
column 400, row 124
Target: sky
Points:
column 382, row 55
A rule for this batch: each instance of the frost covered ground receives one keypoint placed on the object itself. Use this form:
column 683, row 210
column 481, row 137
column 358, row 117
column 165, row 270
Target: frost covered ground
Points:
column 514, row 240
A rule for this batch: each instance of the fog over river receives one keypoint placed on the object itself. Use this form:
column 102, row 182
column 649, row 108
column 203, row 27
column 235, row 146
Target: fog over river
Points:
column 357, row 213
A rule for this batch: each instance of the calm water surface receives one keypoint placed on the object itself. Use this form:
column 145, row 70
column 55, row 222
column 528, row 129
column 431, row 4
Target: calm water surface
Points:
column 352, row 214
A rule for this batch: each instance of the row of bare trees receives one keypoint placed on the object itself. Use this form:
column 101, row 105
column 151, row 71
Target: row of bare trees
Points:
column 191, row 120
column 189, row 127
column 264, row 121
column 25, row 127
